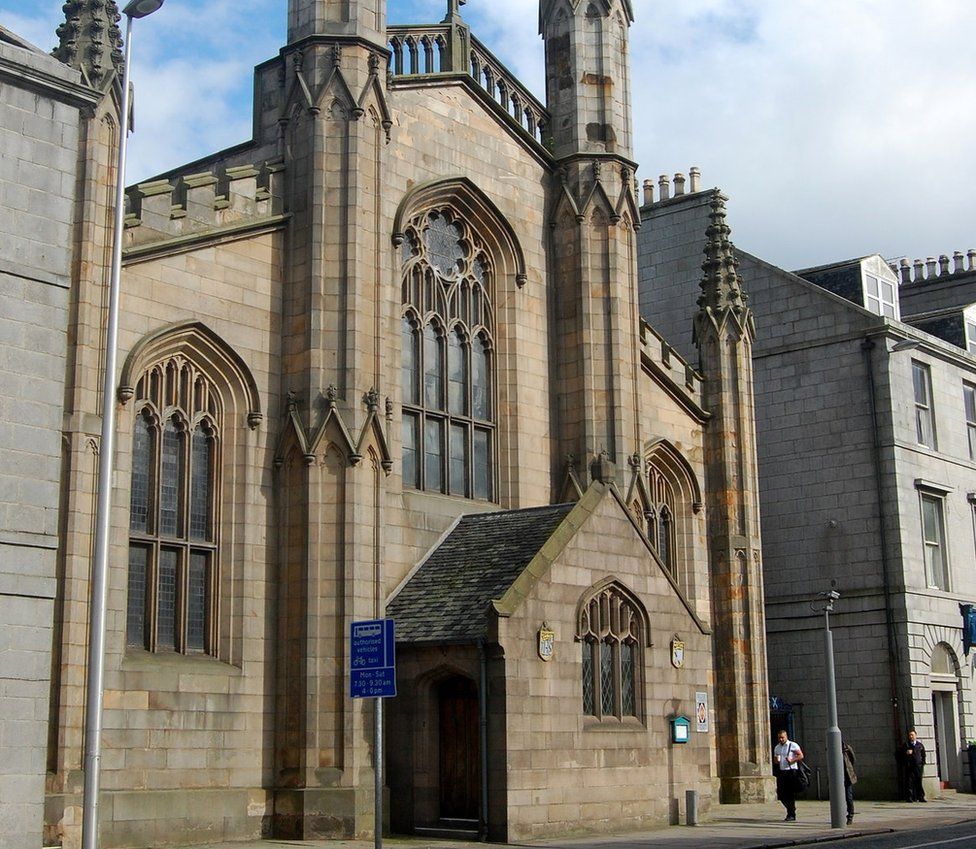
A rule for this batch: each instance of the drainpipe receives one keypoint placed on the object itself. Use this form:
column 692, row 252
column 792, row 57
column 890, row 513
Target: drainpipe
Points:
column 868, row 346
column 483, row 722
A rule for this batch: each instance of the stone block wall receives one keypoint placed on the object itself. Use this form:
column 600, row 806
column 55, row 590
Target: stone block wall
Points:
column 40, row 123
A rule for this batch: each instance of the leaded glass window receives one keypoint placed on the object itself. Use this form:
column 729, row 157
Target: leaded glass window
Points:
column 446, row 361
column 660, row 517
column 172, row 523
column 611, row 627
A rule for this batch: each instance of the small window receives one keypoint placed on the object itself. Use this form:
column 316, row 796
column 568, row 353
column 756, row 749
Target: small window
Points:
column 611, row 630
column 933, row 540
column 969, row 395
column 880, row 296
column 924, row 414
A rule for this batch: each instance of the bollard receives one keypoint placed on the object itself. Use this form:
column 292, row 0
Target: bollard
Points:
column 691, row 807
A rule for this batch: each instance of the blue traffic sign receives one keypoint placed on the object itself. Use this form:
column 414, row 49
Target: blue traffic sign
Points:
column 372, row 660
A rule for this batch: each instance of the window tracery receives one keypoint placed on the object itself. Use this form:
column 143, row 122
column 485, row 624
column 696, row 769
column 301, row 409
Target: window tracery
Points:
column 172, row 570
column 660, row 517
column 612, row 630
column 447, row 340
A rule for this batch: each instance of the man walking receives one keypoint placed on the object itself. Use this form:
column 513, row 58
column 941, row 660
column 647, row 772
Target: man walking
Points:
column 786, row 758
column 915, row 763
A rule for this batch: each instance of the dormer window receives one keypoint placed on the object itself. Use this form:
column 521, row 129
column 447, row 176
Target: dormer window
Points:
column 970, row 334
column 880, row 295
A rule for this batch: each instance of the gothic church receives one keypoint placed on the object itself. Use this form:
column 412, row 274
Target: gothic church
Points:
column 387, row 358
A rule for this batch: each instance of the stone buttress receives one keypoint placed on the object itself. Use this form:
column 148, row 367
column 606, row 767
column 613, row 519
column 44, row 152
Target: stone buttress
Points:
column 592, row 247
column 332, row 461
column 724, row 331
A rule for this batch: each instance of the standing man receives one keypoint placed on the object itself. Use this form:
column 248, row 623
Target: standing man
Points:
column 915, row 763
column 850, row 779
column 786, row 757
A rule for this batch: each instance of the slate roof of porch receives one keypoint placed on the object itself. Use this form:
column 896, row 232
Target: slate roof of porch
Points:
column 447, row 598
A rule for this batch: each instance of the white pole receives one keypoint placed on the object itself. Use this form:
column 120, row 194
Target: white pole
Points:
column 106, row 466
column 378, row 770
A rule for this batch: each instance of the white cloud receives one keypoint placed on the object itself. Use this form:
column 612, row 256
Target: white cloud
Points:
column 836, row 127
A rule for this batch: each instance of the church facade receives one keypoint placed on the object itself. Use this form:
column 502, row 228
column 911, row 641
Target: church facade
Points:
column 386, row 358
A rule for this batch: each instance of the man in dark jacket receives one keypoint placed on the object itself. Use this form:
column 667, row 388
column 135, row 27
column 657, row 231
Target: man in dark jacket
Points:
column 915, row 762
column 850, row 779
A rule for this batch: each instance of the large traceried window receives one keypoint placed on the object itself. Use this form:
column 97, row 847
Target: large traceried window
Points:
column 446, row 363
column 612, row 631
column 172, row 580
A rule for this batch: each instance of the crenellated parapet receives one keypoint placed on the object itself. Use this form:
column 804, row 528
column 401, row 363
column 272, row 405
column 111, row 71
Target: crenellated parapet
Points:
column 190, row 204
column 663, row 361
column 934, row 270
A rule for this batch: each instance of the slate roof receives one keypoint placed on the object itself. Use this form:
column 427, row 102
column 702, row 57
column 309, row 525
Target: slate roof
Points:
column 446, row 600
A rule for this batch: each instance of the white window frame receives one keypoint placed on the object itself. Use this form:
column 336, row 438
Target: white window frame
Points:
column 924, row 407
column 881, row 302
column 937, row 542
column 969, row 408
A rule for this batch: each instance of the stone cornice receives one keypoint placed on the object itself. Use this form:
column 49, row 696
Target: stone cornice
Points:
column 215, row 236
column 49, row 83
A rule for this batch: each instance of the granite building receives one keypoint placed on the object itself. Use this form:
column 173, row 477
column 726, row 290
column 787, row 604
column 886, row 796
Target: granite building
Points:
column 42, row 128
column 865, row 385
column 386, row 357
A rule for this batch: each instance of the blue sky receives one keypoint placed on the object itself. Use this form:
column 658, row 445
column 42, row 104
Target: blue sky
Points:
column 837, row 127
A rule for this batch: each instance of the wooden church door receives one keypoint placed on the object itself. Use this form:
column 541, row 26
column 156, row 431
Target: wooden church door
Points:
column 460, row 786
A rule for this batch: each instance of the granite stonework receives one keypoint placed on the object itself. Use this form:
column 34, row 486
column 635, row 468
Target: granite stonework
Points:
column 41, row 126
column 842, row 474
column 277, row 299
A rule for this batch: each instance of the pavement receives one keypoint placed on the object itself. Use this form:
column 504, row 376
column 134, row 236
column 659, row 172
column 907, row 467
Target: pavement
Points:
column 758, row 826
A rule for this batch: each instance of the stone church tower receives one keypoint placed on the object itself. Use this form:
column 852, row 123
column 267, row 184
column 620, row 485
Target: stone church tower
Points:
column 593, row 222
column 724, row 330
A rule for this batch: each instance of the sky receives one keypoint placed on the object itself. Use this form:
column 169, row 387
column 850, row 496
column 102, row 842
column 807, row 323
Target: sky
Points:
column 837, row 128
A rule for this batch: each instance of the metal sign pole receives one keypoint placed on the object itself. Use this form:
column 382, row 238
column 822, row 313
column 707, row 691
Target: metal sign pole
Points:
column 378, row 770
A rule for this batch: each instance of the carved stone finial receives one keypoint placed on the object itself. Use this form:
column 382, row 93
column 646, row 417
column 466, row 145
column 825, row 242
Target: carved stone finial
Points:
column 336, row 55
column 597, row 167
column 372, row 400
column 634, row 461
column 373, row 63
column 291, row 402
column 332, row 394
column 453, row 10
column 90, row 39
column 571, row 462
column 389, row 409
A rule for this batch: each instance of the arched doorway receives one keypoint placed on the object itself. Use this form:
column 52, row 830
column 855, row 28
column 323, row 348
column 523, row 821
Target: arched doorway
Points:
column 945, row 699
column 460, row 783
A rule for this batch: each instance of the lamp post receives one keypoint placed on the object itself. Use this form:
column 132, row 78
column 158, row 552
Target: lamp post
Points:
column 835, row 757
column 106, row 465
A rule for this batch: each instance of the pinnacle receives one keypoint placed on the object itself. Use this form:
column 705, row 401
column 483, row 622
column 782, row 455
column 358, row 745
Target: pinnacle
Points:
column 90, row 39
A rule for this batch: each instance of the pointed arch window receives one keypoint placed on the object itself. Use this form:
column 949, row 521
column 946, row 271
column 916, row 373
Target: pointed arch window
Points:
column 612, row 630
column 172, row 570
column 446, row 366
column 660, row 517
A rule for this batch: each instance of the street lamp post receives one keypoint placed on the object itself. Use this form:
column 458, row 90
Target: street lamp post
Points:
column 106, row 466
column 835, row 756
